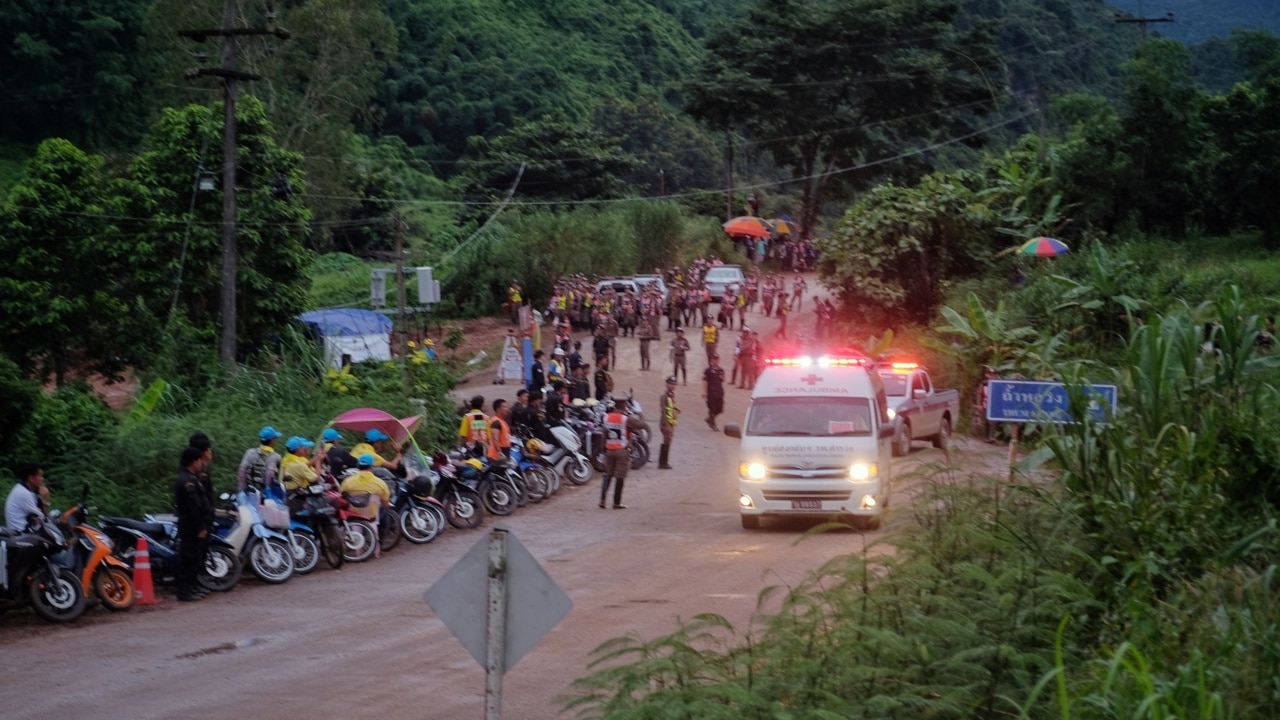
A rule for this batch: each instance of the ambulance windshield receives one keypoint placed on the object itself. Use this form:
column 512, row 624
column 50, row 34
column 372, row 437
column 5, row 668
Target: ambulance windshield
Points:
column 810, row 417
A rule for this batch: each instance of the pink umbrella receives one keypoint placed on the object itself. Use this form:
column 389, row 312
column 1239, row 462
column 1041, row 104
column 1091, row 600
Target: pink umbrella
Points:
column 365, row 419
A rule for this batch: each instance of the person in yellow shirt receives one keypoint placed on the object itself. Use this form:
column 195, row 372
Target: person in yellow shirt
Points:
column 365, row 483
column 297, row 469
column 473, row 432
column 376, row 441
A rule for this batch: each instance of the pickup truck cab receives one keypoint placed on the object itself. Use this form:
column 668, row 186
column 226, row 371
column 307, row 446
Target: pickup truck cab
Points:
column 816, row 442
column 719, row 278
column 919, row 410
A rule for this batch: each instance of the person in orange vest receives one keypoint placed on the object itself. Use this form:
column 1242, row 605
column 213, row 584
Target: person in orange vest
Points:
column 474, row 430
column 499, row 431
column 617, row 453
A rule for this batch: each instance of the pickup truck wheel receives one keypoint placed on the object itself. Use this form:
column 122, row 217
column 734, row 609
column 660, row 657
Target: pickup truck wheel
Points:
column 942, row 440
column 902, row 441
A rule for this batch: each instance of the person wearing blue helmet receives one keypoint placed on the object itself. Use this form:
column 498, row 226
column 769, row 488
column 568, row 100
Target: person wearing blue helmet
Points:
column 260, row 465
column 375, row 444
column 298, row 469
column 340, row 459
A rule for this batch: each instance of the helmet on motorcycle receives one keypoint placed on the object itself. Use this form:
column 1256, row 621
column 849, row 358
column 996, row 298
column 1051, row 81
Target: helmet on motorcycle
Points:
column 592, row 402
column 579, row 402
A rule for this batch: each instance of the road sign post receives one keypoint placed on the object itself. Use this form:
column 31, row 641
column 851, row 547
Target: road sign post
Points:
column 1026, row 401
column 473, row 600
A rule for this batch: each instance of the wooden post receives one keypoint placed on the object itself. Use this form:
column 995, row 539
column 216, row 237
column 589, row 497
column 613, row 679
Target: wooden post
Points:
column 1013, row 448
column 497, row 625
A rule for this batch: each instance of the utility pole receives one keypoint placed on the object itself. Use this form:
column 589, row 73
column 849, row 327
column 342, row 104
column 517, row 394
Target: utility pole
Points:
column 728, row 187
column 662, row 182
column 1142, row 21
column 402, row 318
column 230, row 76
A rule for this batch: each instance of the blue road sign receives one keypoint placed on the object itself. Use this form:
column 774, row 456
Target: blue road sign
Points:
column 1025, row 401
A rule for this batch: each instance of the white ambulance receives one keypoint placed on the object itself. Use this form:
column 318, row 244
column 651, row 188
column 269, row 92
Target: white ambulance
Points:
column 817, row 441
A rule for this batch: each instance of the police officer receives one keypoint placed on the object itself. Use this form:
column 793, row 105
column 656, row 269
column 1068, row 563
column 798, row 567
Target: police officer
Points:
column 604, row 381
column 617, row 456
column 710, row 337
column 195, row 515
column 679, row 348
column 713, row 390
column 668, row 414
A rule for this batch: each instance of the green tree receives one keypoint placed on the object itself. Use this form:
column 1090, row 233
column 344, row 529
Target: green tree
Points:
column 562, row 160
column 72, row 70
column 1246, row 125
column 826, row 86
column 176, row 250
column 61, row 286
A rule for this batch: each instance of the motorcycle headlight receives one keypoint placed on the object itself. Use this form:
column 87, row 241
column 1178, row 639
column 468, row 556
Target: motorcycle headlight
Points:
column 861, row 472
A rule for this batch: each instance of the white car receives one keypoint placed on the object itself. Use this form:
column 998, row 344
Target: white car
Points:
column 619, row 285
column 645, row 281
column 722, row 276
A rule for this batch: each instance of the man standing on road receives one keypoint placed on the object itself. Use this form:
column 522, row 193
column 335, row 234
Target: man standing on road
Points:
column 537, row 376
column 713, row 390
column 499, row 431
column 668, row 413
column 195, row 514
column 604, row 381
column 617, row 456
column 710, row 338
column 679, row 347
column 783, row 311
column 648, row 326
column 798, row 286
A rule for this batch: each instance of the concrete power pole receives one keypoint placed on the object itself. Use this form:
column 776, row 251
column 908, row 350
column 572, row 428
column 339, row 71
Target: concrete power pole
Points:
column 230, row 76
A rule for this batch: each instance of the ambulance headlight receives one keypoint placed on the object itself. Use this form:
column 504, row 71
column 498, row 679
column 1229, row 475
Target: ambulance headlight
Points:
column 861, row 472
column 752, row 471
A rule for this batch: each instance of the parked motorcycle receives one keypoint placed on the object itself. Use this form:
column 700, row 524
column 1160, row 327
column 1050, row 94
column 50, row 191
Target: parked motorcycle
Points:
column 499, row 487
column 31, row 575
column 456, row 489
column 101, row 574
column 313, row 510
column 268, row 552
column 575, row 466
column 533, row 473
column 222, row 566
column 360, row 536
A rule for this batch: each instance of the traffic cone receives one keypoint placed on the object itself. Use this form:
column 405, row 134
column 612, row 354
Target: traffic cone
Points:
column 144, row 592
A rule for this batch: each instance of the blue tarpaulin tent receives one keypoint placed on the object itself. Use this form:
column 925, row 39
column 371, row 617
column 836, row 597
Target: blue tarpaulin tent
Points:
column 350, row 334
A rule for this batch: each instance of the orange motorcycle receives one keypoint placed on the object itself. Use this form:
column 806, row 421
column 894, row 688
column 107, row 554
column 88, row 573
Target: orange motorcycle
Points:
column 101, row 573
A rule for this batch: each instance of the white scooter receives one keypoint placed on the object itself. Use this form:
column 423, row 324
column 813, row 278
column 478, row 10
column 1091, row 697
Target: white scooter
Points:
column 574, row 466
column 268, row 552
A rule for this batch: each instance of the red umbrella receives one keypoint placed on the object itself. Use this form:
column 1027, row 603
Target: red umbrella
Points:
column 749, row 226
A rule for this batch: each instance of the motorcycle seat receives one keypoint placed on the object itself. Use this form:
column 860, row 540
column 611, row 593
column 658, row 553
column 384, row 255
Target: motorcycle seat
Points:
column 555, row 455
column 146, row 528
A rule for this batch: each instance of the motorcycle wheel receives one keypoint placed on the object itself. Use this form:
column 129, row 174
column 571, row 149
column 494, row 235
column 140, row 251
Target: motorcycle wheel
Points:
column 332, row 544
column 579, row 471
column 535, row 485
column 464, row 510
column 639, row 451
column 499, row 497
column 522, row 492
column 221, row 570
column 419, row 524
column 271, row 560
column 359, row 543
column 306, row 552
column 553, row 481
column 597, row 462
column 56, row 596
column 389, row 529
column 114, row 588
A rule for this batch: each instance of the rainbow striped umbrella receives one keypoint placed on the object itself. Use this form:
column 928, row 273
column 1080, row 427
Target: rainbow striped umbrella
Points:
column 1043, row 247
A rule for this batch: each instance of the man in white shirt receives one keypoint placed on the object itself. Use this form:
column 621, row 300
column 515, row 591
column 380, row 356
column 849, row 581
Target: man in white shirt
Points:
column 27, row 497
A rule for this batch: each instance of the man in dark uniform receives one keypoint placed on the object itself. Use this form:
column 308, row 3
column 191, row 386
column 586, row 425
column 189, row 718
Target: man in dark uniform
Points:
column 201, row 442
column 713, row 389
column 668, row 416
column 537, row 376
column 195, row 514
column 604, row 381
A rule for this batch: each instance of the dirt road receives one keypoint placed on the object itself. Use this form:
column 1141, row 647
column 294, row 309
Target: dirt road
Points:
column 360, row 642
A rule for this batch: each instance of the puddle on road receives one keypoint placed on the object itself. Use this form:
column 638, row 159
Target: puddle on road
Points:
column 222, row 648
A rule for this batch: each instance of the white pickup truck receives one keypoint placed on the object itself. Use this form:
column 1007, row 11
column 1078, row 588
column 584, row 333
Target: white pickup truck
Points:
column 919, row 410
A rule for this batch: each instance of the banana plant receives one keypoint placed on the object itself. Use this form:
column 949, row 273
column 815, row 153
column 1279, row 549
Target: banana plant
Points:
column 984, row 338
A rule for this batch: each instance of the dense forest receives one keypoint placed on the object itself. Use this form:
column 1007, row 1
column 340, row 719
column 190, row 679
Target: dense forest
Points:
column 917, row 142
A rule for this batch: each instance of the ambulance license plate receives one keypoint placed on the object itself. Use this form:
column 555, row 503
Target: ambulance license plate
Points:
column 806, row 504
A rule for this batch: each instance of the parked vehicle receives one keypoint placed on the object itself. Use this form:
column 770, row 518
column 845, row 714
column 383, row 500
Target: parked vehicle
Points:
column 575, row 466
column 312, row 509
column 31, row 575
column 721, row 277
column 499, row 487
column 102, row 575
column 457, row 490
column 360, row 536
column 918, row 409
column 222, row 566
column 536, row 476
column 266, row 551
column 644, row 281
